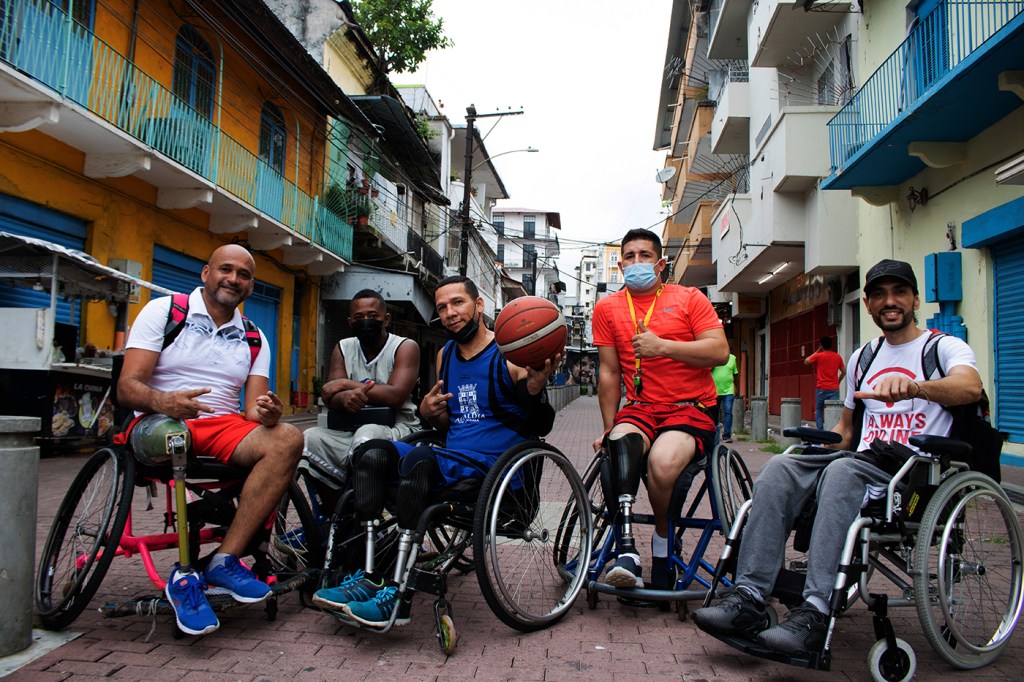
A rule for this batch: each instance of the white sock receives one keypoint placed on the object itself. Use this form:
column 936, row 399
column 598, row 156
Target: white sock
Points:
column 659, row 546
column 818, row 603
column 217, row 559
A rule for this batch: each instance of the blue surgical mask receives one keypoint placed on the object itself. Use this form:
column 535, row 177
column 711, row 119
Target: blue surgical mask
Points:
column 640, row 276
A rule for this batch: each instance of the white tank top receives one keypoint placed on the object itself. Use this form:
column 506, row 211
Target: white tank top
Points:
column 378, row 369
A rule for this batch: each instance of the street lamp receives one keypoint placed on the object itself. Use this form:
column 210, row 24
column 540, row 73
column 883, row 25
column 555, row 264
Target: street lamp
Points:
column 511, row 151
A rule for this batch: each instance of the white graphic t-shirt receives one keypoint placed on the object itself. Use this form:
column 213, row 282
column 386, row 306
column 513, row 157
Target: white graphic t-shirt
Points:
column 900, row 420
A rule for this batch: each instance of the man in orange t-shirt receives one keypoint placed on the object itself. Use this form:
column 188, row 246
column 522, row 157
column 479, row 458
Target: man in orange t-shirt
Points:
column 663, row 340
column 830, row 369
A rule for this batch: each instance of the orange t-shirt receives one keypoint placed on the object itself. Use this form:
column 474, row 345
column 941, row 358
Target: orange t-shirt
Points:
column 827, row 364
column 680, row 314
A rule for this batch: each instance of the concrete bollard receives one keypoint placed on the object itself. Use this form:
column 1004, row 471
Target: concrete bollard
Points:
column 833, row 411
column 738, row 412
column 790, row 417
column 19, row 461
column 759, row 418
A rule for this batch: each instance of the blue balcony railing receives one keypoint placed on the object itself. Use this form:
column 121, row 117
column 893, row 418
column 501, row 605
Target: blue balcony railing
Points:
column 42, row 41
column 938, row 44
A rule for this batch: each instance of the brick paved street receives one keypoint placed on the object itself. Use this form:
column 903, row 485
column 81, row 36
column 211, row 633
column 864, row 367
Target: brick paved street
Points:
column 612, row 642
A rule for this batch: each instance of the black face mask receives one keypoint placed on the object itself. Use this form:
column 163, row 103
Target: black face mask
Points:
column 367, row 331
column 467, row 333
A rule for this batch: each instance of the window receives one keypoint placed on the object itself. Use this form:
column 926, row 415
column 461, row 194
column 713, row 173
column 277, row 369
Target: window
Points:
column 528, row 284
column 499, row 227
column 501, row 253
column 273, row 137
column 614, row 278
column 529, row 255
column 826, row 86
column 589, row 266
column 193, row 79
column 529, row 227
column 614, row 257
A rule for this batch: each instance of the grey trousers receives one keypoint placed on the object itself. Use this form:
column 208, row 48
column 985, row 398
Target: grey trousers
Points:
column 782, row 488
column 334, row 449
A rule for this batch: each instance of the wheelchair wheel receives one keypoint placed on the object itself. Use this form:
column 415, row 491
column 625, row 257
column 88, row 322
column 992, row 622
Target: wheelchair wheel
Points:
column 295, row 542
column 897, row 665
column 524, row 499
column 732, row 484
column 968, row 570
column 84, row 537
column 565, row 549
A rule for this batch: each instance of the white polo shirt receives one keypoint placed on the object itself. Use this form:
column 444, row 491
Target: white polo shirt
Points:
column 202, row 356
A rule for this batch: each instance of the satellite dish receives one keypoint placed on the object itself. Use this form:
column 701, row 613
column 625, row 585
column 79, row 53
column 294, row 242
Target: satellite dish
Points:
column 665, row 174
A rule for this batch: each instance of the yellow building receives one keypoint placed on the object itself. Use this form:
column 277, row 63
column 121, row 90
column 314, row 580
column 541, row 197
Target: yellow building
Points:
column 148, row 134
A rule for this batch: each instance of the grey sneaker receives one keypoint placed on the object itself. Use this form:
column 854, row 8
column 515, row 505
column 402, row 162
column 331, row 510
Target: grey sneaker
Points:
column 626, row 572
column 736, row 614
column 802, row 632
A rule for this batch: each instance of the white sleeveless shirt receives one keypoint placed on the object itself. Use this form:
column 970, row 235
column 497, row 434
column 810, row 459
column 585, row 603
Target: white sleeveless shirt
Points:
column 378, row 369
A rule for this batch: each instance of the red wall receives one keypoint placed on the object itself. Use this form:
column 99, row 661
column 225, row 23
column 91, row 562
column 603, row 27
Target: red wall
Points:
column 792, row 340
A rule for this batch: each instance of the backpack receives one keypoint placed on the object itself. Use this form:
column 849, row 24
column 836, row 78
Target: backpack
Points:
column 971, row 423
column 176, row 322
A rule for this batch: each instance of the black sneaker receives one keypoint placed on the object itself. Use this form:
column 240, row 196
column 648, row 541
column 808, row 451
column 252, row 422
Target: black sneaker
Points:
column 802, row 632
column 736, row 614
column 625, row 573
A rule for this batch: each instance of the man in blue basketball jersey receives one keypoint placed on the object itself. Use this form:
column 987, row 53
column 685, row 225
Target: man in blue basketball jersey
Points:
column 484, row 405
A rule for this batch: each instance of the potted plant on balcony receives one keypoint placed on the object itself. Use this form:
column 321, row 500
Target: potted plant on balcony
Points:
column 363, row 208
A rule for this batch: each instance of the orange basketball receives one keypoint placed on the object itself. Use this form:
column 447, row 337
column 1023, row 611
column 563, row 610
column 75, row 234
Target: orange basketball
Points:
column 529, row 330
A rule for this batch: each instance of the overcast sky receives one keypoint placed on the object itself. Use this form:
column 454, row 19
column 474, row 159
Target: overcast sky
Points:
column 587, row 73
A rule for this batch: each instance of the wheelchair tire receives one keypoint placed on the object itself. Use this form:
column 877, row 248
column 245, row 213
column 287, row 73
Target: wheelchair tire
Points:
column 968, row 570
column 732, row 484
column 565, row 555
column 84, row 537
column 515, row 532
column 898, row 665
column 295, row 542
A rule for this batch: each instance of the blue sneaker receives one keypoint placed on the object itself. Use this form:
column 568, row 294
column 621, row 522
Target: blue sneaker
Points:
column 185, row 593
column 356, row 587
column 237, row 580
column 376, row 612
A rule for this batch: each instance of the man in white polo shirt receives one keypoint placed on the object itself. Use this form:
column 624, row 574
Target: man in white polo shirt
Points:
column 198, row 378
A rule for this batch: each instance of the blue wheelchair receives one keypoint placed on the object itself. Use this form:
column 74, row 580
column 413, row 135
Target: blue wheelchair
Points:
column 726, row 485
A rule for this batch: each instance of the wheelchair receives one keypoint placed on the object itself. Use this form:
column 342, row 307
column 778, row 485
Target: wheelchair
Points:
column 949, row 543
column 94, row 524
column 513, row 528
column 726, row 486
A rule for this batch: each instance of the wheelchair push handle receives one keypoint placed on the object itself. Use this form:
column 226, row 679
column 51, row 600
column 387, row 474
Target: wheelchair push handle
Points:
column 813, row 436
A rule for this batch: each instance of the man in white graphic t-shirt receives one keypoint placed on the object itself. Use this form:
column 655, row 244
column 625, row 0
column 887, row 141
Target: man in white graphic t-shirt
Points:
column 898, row 401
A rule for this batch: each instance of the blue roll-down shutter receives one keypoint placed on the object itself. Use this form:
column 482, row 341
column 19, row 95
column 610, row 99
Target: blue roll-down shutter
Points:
column 1008, row 259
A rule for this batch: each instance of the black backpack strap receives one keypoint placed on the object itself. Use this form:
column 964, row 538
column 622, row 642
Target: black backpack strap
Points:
column 867, row 356
column 930, row 364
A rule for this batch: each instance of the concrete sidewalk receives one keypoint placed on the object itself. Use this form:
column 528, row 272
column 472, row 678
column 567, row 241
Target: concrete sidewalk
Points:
column 609, row 643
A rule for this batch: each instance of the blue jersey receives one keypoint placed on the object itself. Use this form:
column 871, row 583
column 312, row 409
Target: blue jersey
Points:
column 484, row 415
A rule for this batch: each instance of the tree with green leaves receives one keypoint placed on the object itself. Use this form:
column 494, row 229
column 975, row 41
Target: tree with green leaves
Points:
column 402, row 31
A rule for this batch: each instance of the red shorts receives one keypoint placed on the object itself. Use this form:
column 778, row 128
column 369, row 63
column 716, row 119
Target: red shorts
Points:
column 654, row 419
column 215, row 437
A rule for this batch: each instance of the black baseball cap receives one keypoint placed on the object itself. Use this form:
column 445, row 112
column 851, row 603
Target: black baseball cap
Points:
column 890, row 269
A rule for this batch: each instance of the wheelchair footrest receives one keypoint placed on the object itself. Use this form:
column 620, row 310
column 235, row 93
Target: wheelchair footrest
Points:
column 813, row 661
column 427, row 582
column 647, row 594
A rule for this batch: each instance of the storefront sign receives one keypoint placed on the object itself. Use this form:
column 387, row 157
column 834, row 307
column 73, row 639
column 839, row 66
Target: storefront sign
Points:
column 798, row 295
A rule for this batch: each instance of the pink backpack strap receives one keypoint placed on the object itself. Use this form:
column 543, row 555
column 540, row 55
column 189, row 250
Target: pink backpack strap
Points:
column 175, row 318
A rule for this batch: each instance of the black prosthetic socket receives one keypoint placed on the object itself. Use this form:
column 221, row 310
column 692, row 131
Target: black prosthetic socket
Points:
column 418, row 474
column 374, row 468
column 626, row 453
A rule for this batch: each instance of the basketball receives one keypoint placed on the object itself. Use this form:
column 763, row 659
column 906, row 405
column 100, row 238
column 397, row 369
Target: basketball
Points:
column 529, row 330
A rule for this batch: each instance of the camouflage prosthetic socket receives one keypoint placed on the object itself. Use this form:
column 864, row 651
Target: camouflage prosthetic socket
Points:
column 374, row 468
column 418, row 475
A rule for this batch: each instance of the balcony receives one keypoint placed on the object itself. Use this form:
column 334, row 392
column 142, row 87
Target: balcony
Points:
column 955, row 75
column 730, row 129
column 796, row 148
column 785, row 27
column 695, row 267
column 57, row 76
column 727, row 29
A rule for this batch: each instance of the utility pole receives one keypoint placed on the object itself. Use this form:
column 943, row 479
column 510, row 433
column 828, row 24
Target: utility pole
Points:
column 467, row 180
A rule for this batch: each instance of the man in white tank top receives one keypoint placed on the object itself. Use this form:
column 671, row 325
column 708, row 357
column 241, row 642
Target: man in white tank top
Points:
column 372, row 369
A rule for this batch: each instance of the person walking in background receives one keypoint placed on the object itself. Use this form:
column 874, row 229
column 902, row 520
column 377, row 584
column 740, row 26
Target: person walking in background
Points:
column 830, row 369
column 725, row 383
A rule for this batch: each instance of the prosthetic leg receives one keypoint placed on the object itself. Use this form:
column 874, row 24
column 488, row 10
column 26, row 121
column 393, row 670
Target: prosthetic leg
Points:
column 374, row 467
column 625, row 459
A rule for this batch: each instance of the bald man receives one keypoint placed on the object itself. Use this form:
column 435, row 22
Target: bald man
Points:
column 198, row 378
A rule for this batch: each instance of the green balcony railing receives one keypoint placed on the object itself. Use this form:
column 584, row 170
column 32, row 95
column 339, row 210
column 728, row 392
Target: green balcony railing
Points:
column 940, row 42
column 42, row 41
